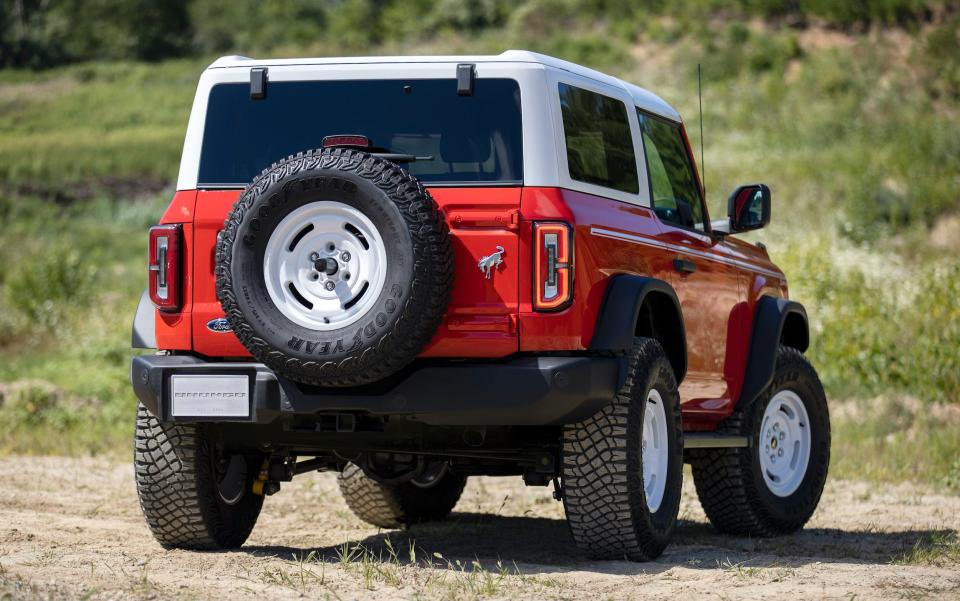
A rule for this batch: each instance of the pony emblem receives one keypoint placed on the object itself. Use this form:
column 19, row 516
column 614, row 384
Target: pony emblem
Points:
column 489, row 263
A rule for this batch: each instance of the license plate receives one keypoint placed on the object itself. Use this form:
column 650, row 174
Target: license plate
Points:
column 210, row 396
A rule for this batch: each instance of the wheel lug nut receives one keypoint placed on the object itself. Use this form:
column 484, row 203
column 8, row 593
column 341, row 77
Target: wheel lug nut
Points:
column 782, row 435
column 329, row 285
column 345, row 257
column 314, row 256
column 780, row 453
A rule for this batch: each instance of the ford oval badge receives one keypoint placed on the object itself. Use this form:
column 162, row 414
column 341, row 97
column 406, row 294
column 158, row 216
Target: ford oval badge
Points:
column 219, row 325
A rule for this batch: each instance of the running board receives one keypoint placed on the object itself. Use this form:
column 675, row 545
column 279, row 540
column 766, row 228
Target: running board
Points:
column 713, row 441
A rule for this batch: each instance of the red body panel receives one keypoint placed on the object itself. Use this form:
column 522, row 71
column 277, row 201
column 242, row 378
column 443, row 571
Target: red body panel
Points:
column 212, row 209
column 173, row 329
column 613, row 237
column 495, row 318
column 481, row 318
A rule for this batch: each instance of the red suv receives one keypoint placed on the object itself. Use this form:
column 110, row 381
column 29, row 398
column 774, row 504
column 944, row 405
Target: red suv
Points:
column 414, row 270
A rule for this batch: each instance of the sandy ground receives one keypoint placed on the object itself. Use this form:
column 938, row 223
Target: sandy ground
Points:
column 71, row 528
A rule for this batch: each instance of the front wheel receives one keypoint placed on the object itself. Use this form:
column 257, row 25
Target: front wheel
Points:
column 774, row 485
column 623, row 466
column 428, row 498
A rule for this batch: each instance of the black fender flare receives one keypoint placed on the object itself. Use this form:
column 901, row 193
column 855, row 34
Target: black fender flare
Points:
column 775, row 321
column 617, row 320
column 144, row 332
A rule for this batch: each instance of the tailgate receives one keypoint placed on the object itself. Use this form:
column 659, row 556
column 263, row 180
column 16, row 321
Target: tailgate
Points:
column 481, row 319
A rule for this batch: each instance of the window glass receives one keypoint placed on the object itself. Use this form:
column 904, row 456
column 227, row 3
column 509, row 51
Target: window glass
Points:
column 598, row 140
column 472, row 139
column 673, row 186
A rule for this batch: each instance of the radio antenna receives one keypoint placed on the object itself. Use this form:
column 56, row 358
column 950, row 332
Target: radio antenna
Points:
column 703, row 167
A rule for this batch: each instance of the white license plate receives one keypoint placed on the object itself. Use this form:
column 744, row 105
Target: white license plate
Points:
column 210, row 396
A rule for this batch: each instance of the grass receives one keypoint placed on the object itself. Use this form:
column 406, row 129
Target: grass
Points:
column 941, row 548
column 855, row 133
column 896, row 440
column 64, row 358
column 94, row 124
column 412, row 568
column 774, row 572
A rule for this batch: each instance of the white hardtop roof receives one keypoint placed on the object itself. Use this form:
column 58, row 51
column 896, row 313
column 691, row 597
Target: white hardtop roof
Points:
column 642, row 98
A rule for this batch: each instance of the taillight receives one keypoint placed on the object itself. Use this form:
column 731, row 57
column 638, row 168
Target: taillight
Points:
column 553, row 266
column 165, row 277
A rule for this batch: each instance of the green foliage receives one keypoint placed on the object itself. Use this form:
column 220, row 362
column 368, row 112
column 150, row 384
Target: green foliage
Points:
column 865, row 12
column 941, row 58
column 47, row 286
column 39, row 33
column 67, row 390
column 899, row 332
column 896, row 439
column 43, row 33
column 857, row 137
column 71, row 131
column 249, row 26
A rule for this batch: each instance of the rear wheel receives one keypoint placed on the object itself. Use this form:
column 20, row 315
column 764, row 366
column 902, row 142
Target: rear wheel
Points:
column 774, row 485
column 193, row 494
column 426, row 498
column 623, row 467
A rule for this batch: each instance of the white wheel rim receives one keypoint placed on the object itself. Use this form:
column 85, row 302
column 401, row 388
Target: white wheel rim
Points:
column 784, row 444
column 654, row 450
column 325, row 230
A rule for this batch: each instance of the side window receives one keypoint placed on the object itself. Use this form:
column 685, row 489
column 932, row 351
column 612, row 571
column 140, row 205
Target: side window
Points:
column 673, row 186
column 597, row 135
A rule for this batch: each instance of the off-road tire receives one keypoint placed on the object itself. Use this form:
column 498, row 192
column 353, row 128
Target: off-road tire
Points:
column 402, row 505
column 177, row 489
column 413, row 300
column 729, row 482
column 603, row 492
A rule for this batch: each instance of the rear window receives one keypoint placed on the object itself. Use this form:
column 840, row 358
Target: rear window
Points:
column 472, row 139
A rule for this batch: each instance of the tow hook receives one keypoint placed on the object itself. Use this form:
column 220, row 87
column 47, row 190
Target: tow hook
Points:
column 263, row 485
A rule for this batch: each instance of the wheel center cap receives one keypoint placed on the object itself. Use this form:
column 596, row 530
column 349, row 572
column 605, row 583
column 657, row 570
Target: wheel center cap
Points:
column 773, row 443
column 326, row 265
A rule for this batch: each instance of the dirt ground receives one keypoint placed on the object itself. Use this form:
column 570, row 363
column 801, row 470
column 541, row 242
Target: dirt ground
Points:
column 71, row 528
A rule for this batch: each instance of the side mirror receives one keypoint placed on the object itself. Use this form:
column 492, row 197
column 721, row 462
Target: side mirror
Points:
column 749, row 208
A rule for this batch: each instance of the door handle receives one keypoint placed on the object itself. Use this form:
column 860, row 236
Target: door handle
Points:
column 684, row 266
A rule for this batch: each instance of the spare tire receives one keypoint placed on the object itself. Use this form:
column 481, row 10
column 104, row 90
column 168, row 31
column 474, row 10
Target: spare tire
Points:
column 334, row 267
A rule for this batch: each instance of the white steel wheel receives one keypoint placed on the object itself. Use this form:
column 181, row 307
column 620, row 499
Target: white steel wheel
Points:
column 784, row 444
column 325, row 265
column 655, row 450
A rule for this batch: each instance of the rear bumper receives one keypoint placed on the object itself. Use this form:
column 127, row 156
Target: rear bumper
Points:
column 519, row 392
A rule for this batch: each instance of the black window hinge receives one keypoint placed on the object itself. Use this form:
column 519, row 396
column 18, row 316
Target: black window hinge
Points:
column 466, row 73
column 258, row 83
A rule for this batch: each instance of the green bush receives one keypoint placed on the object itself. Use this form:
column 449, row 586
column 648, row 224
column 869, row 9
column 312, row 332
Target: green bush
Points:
column 941, row 59
column 30, row 402
column 897, row 332
column 49, row 286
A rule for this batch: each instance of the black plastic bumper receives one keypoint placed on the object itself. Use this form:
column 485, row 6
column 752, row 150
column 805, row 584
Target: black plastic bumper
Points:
column 520, row 392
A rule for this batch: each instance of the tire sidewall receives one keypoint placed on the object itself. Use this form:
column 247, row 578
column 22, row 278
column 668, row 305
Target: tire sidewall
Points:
column 799, row 505
column 659, row 376
column 260, row 220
